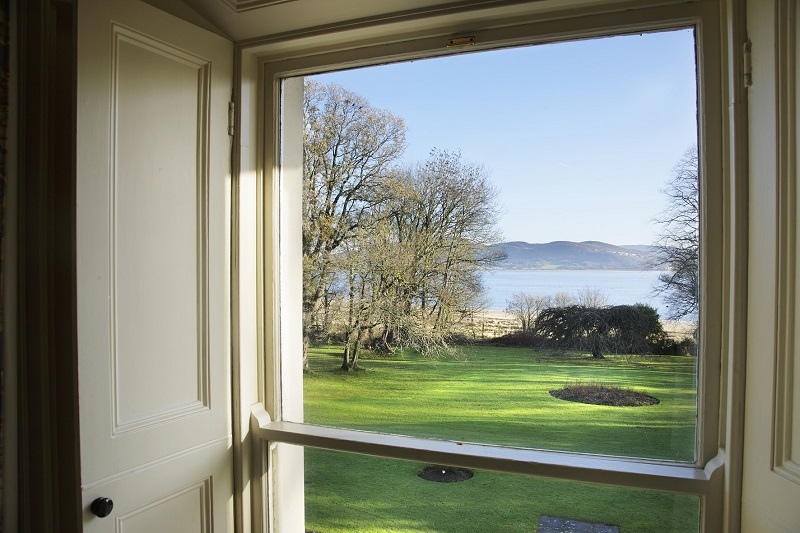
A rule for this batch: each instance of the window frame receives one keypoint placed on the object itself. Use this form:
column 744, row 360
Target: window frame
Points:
column 274, row 421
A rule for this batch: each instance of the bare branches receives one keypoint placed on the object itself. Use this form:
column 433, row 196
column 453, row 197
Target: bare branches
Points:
column 399, row 248
column 349, row 148
column 592, row 298
column 526, row 307
column 442, row 215
column 677, row 246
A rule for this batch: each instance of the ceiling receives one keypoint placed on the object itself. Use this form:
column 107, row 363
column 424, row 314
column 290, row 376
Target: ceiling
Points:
column 250, row 20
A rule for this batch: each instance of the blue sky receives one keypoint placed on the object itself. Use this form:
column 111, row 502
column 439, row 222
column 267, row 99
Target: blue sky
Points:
column 579, row 137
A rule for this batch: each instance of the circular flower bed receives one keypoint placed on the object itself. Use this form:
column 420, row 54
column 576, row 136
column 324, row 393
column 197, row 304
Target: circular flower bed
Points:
column 603, row 395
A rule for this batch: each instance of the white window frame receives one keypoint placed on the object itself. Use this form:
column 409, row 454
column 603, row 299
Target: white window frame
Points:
column 276, row 166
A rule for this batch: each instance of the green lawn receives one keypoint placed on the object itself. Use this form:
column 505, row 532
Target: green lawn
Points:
column 496, row 395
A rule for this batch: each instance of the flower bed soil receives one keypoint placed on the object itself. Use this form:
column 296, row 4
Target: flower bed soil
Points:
column 601, row 395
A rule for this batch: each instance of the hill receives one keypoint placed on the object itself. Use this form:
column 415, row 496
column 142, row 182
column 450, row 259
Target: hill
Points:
column 568, row 255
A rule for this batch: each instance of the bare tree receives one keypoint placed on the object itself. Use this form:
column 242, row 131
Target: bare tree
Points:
column 444, row 214
column 349, row 148
column 362, row 278
column 401, row 249
column 563, row 299
column 526, row 307
column 369, row 265
column 592, row 297
column 678, row 242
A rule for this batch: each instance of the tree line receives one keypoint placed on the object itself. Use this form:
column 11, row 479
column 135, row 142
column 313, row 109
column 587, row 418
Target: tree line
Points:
column 391, row 252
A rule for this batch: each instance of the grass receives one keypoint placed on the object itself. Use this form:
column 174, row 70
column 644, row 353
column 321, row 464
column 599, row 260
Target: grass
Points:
column 500, row 396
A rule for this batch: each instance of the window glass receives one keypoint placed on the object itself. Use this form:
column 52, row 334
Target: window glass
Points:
column 502, row 247
column 352, row 493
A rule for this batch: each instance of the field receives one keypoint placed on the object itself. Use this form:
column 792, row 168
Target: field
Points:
column 499, row 396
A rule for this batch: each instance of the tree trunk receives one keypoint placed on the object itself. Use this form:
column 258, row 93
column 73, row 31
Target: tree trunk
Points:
column 350, row 319
column 386, row 338
column 326, row 313
column 306, row 340
column 356, row 349
column 596, row 349
column 346, row 352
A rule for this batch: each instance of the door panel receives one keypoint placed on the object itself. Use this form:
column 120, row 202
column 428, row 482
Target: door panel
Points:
column 771, row 470
column 176, row 495
column 153, row 160
column 157, row 220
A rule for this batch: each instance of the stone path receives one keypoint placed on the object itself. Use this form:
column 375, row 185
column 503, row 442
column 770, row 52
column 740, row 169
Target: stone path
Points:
column 552, row 524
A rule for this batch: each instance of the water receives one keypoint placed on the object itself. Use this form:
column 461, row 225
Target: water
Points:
column 618, row 286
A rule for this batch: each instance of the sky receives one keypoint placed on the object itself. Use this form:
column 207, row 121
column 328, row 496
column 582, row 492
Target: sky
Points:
column 579, row 138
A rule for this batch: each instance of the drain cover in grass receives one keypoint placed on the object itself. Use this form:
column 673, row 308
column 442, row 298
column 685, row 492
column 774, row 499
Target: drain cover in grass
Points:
column 445, row 474
column 553, row 524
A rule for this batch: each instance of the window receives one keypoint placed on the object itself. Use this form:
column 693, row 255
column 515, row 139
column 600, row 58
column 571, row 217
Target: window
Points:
column 419, row 254
column 282, row 254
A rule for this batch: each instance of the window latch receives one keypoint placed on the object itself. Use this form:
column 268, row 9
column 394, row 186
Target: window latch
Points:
column 460, row 41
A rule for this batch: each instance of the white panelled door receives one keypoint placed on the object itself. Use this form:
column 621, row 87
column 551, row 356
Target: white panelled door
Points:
column 771, row 476
column 153, row 281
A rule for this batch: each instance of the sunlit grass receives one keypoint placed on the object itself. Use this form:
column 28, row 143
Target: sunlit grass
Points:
column 347, row 493
column 499, row 396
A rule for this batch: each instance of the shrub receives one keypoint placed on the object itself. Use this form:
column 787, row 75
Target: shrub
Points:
column 615, row 329
column 670, row 346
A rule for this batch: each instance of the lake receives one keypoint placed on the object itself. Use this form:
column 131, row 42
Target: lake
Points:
column 618, row 286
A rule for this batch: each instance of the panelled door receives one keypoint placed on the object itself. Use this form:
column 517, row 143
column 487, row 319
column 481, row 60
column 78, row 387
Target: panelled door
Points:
column 153, row 286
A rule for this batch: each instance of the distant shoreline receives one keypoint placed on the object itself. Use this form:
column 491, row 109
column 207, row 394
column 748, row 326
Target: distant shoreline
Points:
column 570, row 255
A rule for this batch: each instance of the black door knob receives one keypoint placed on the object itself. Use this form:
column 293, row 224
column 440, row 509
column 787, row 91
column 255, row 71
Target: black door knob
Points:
column 102, row 507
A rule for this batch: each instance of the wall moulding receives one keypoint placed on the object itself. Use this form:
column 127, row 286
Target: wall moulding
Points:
column 246, row 5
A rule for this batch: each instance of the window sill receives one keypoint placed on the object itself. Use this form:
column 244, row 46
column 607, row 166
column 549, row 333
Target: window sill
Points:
column 674, row 477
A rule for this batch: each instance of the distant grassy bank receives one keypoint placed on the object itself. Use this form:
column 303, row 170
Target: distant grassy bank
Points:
column 500, row 396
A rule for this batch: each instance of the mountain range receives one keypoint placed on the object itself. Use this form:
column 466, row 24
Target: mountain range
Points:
column 568, row 255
